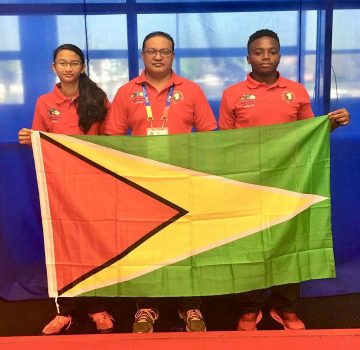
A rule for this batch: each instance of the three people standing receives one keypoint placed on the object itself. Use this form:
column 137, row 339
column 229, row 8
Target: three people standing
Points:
column 159, row 102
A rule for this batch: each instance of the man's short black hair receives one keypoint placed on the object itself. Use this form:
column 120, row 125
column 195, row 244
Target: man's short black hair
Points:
column 159, row 33
column 259, row 34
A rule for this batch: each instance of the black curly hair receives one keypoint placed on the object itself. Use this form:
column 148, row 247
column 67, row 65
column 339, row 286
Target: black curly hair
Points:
column 259, row 34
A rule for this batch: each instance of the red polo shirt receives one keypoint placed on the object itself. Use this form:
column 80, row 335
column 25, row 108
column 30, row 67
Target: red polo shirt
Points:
column 188, row 108
column 250, row 103
column 56, row 113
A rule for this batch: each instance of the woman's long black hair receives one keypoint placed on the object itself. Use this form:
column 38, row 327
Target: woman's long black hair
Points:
column 91, row 103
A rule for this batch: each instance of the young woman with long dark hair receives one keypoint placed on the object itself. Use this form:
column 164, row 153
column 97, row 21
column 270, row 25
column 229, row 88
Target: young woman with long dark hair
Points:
column 76, row 106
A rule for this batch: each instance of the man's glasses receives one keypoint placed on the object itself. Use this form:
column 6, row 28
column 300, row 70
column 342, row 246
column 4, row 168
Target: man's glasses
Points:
column 162, row 52
column 72, row 64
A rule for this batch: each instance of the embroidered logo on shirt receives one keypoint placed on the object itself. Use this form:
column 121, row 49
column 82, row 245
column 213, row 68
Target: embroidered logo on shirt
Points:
column 177, row 96
column 54, row 114
column 288, row 96
column 248, row 100
column 248, row 97
column 137, row 97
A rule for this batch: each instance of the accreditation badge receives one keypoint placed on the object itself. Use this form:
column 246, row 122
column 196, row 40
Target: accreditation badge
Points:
column 157, row 131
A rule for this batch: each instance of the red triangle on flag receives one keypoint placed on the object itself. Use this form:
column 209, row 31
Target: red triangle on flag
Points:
column 97, row 216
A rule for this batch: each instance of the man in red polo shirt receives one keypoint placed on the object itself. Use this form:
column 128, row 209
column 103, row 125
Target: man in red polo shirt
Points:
column 266, row 98
column 159, row 102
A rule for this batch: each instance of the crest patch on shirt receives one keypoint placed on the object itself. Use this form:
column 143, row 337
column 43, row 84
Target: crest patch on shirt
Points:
column 288, row 96
column 247, row 97
column 53, row 114
column 248, row 100
column 137, row 97
column 177, row 96
column 53, row 111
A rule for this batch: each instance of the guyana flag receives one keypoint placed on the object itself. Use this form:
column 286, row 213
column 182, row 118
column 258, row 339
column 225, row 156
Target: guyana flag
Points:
column 190, row 214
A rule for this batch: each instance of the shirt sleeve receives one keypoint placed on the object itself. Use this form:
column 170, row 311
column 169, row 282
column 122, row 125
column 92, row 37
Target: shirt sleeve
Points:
column 226, row 114
column 305, row 110
column 38, row 119
column 204, row 119
column 116, row 122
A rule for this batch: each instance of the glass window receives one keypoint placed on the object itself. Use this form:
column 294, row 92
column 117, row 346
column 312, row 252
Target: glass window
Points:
column 107, row 32
column 109, row 74
column 211, row 48
column 202, row 30
column 310, row 18
column 71, row 30
column 11, row 82
column 10, row 40
column 213, row 54
column 107, row 45
column 42, row 1
column 271, row 2
column 60, row 1
column 346, row 54
column 309, row 74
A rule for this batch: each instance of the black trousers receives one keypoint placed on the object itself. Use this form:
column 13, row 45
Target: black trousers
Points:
column 68, row 306
column 182, row 303
column 282, row 298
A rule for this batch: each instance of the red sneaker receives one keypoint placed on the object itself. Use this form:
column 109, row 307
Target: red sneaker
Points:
column 57, row 325
column 103, row 321
column 288, row 320
column 248, row 322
